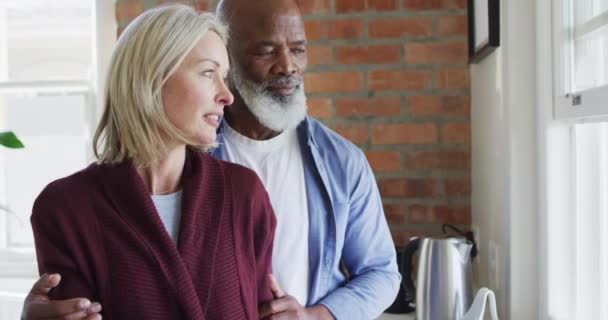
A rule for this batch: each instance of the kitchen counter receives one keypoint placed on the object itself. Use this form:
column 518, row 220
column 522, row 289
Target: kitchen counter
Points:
column 403, row 316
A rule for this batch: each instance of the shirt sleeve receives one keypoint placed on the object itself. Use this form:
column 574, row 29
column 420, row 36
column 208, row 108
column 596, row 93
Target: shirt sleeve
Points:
column 368, row 254
column 58, row 247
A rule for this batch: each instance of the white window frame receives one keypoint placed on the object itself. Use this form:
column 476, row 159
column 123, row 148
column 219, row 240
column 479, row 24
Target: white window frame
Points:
column 21, row 263
column 557, row 162
column 570, row 105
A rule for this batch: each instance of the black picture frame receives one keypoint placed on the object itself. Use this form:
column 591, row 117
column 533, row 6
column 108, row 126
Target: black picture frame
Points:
column 484, row 35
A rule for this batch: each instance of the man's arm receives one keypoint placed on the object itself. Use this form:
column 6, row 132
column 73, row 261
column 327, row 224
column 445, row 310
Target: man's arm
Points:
column 286, row 307
column 37, row 304
column 368, row 253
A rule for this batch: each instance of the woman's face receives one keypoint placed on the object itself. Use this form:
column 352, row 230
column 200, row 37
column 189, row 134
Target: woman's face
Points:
column 195, row 95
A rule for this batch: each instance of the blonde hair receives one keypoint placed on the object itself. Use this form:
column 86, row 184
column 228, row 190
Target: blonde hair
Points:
column 147, row 53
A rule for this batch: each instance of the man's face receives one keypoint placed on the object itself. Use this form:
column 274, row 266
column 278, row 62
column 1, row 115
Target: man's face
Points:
column 269, row 53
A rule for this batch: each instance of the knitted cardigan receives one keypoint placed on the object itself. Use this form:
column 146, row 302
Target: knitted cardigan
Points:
column 100, row 230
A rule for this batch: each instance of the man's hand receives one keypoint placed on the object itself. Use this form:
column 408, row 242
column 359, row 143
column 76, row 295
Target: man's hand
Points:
column 286, row 307
column 37, row 304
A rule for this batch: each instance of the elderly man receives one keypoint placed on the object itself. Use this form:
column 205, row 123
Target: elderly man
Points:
column 333, row 255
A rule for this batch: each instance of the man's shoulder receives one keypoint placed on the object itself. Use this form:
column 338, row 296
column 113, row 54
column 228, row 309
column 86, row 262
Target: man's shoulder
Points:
column 331, row 145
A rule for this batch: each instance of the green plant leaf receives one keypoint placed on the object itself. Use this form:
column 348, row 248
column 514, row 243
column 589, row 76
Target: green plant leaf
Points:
column 10, row 140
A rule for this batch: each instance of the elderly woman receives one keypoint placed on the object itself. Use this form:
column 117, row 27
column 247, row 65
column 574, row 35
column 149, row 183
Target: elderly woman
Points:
column 158, row 229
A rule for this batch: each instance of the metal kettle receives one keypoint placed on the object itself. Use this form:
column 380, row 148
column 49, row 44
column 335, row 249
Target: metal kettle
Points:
column 443, row 289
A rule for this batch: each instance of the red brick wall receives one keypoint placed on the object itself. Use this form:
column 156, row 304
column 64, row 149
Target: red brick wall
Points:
column 392, row 77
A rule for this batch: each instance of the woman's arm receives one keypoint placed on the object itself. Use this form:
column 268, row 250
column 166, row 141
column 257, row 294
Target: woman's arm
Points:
column 264, row 227
column 60, row 239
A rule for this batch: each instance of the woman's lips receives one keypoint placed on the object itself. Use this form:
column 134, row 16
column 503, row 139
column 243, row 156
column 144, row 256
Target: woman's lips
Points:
column 213, row 119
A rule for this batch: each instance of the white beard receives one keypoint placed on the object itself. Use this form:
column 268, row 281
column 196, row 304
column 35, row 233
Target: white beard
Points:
column 275, row 113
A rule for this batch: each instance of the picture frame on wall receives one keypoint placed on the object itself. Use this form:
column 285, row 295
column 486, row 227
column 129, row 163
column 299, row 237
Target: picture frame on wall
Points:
column 484, row 28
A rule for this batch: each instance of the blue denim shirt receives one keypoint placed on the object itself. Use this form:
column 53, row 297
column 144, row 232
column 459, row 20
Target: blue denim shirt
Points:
column 347, row 227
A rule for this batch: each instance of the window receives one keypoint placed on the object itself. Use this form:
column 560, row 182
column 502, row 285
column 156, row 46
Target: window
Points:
column 577, row 164
column 50, row 52
column 581, row 35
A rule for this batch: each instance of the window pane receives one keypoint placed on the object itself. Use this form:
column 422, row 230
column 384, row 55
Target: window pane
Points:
column 55, row 133
column 45, row 40
column 589, row 229
column 586, row 23
column 585, row 10
column 590, row 64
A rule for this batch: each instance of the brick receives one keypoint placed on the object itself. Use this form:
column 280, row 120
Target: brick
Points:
column 346, row 6
column 436, row 52
column 319, row 107
column 418, row 214
column 400, row 27
column 128, row 10
column 438, row 160
column 315, row 30
column 454, row 4
column 355, row 133
column 453, row 78
column 434, row 4
column 384, row 160
column 319, row 55
column 410, row 188
column 456, row 133
column 442, row 106
column 422, row 4
column 345, row 29
column 368, row 54
column 313, row 6
column 394, row 213
column 399, row 79
column 361, row 107
column 452, row 26
column 342, row 29
column 454, row 215
column 400, row 238
column 333, row 82
column 457, row 187
column 410, row 133
column 201, row 6
column 382, row 5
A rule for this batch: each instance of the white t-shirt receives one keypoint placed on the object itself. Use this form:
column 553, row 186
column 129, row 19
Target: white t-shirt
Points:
column 278, row 163
column 169, row 208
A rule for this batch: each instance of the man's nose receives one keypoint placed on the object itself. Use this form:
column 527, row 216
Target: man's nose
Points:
column 285, row 64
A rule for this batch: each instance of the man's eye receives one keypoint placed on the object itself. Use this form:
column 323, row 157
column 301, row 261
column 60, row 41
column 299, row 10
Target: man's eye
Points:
column 264, row 54
column 298, row 50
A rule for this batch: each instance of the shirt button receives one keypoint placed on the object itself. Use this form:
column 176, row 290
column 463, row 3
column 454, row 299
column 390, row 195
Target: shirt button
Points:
column 327, row 261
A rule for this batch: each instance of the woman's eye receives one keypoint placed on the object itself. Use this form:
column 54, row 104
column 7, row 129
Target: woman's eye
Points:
column 208, row 73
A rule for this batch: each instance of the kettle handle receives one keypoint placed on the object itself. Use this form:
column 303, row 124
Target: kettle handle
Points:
column 406, row 273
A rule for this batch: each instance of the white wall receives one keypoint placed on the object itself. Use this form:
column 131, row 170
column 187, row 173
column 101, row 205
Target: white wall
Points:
column 504, row 170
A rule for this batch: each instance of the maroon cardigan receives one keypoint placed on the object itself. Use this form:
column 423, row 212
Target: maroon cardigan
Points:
column 99, row 229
